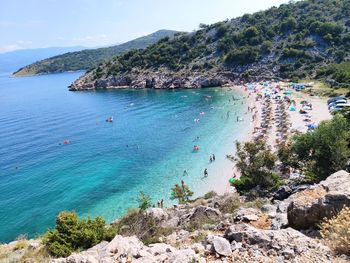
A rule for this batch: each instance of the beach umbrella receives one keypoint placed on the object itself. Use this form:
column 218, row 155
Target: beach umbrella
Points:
column 292, row 108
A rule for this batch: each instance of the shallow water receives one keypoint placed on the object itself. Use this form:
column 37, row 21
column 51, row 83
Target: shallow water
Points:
column 106, row 165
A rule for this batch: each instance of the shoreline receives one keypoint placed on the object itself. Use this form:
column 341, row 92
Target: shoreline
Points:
column 296, row 122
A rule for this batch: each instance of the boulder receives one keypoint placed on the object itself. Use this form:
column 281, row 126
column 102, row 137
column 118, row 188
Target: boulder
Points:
column 221, row 246
column 311, row 206
column 157, row 213
column 205, row 212
column 286, row 244
column 246, row 214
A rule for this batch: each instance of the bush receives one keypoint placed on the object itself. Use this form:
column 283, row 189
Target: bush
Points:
column 182, row 193
column 256, row 164
column 242, row 55
column 145, row 227
column 144, row 201
column 210, row 195
column 72, row 234
column 230, row 204
column 336, row 232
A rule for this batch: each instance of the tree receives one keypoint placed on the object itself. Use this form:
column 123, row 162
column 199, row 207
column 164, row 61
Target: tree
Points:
column 324, row 150
column 251, row 31
column 256, row 164
column 288, row 24
column 144, row 201
column 182, row 193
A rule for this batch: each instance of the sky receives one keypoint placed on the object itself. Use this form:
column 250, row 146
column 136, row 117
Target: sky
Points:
column 56, row 23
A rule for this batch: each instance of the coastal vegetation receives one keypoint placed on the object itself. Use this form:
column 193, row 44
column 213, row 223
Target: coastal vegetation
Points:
column 317, row 153
column 89, row 58
column 256, row 164
column 72, row 234
column 304, row 39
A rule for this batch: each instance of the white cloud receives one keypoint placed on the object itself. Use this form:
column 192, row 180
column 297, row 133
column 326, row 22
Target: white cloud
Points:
column 19, row 44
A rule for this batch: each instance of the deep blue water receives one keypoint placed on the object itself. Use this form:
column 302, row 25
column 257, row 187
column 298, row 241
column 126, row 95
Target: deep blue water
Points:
column 106, row 165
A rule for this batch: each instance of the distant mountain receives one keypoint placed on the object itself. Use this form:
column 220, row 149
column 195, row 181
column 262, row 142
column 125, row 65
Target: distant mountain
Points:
column 89, row 58
column 296, row 40
column 13, row 60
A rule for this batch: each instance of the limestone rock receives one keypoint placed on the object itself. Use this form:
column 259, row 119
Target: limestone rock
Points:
column 157, row 213
column 311, row 206
column 221, row 246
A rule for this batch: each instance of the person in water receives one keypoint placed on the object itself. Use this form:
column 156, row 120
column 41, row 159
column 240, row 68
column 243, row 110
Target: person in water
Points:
column 184, row 173
column 214, row 157
column 210, row 159
column 205, row 172
column 162, row 203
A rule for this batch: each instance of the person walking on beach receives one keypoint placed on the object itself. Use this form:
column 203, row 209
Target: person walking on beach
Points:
column 205, row 172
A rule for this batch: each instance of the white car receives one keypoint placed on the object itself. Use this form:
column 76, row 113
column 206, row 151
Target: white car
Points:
column 337, row 102
column 339, row 107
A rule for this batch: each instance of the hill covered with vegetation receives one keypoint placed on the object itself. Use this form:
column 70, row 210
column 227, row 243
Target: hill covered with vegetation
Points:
column 89, row 58
column 295, row 40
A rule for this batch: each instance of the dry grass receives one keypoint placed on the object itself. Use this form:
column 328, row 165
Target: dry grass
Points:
column 309, row 195
column 336, row 232
column 264, row 222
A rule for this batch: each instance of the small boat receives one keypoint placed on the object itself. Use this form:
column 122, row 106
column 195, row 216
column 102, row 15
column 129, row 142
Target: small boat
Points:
column 65, row 142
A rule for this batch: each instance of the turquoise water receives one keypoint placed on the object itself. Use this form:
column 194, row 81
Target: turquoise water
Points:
column 106, row 165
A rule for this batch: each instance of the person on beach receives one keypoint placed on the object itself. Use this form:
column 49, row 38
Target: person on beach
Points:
column 210, row 159
column 214, row 157
column 158, row 203
column 205, row 172
column 162, row 203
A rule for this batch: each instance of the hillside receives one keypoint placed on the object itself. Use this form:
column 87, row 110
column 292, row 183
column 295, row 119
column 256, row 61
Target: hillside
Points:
column 13, row 60
column 295, row 40
column 89, row 58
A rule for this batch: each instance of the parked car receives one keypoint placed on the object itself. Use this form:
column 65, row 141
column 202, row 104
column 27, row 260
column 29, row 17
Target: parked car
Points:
column 335, row 99
column 339, row 107
column 334, row 103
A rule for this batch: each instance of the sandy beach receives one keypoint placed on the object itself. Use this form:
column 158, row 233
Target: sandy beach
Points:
column 274, row 117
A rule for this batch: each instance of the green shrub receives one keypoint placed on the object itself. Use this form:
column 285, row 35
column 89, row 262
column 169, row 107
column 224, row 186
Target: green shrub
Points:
column 324, row 150
column 72, row 234
column 182, row 193
column 210, row 195
column 256, row 164
column 145, row 227
column 144, row 201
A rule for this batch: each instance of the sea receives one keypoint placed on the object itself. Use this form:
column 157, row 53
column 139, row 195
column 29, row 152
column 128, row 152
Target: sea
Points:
column 58, row 153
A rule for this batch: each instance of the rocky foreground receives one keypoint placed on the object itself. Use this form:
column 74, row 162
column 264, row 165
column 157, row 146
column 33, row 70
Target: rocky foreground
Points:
column 282, row 230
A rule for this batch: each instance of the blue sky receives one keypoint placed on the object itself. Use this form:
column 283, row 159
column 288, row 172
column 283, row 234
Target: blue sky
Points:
column 47, row 23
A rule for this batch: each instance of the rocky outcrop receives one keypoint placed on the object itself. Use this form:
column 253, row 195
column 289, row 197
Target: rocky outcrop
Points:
column 155, row 80
column 311, row 206
column 200, row 232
